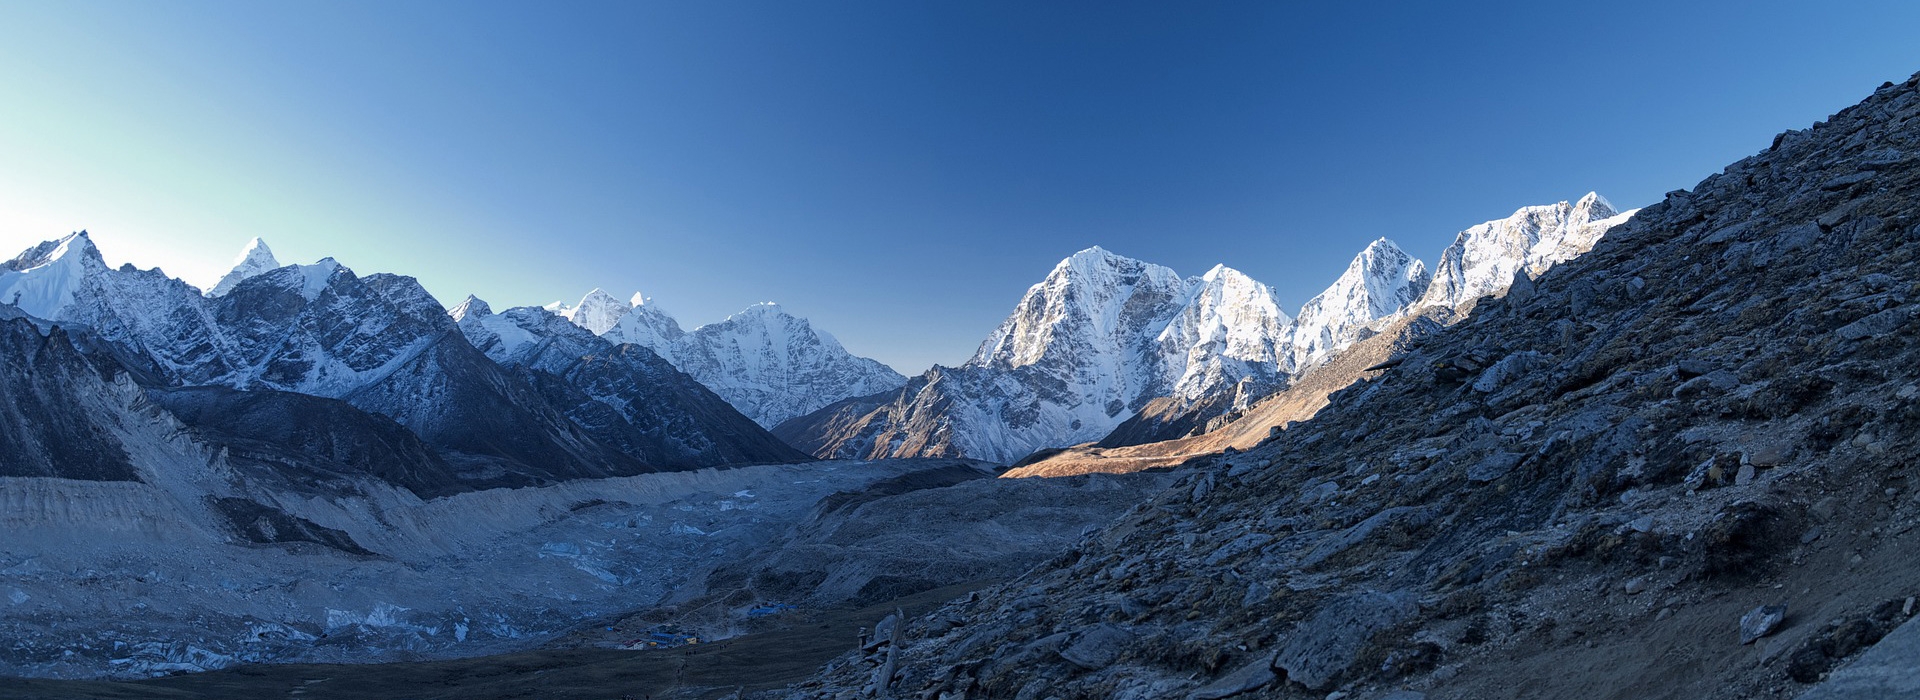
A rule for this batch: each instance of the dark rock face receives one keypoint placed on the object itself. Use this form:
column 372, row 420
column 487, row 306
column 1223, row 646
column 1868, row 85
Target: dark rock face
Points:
column 623, row 396
column 493, row 426
column 1505, row 514
column 310, row 440
column 46, row 425
column 298, row 331
column 264, row 524
column 871, row 427
column 1169, row 418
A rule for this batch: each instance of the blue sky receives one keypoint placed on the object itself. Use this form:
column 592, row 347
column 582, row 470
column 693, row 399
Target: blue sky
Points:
column 899, row 172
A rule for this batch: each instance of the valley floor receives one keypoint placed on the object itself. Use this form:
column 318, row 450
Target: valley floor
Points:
column 795, row 648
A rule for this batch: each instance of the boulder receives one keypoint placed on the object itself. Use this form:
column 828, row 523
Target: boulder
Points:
column 1494, row 466
column 1760, row 622
column 1251, row 676
column 1098, row 647
column 1321, row 649
column 1717, row 381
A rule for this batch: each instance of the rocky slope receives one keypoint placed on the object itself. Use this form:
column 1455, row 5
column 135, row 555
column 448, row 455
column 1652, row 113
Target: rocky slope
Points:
column 1621, row 466
column 769, row 364
column 1241, row 430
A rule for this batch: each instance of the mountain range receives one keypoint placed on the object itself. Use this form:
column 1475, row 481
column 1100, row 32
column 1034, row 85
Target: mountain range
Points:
column 381, row 345
column 1103, row 337
column 770, row 364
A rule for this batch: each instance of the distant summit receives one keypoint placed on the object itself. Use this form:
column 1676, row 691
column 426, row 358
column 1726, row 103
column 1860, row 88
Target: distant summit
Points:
column 767, row 363
column 255, row 259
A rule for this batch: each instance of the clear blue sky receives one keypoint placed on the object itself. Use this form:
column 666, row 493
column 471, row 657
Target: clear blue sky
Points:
column 899, row 172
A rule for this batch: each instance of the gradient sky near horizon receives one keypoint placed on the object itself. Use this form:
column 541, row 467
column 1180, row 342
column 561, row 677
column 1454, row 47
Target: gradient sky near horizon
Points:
column 899, row 172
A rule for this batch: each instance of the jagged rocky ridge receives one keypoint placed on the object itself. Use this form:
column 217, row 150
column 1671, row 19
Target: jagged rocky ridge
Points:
column 1484, row 259
column 624, row 395
column 1124, row 352
column 382, row 345
column 769, row 364
column 1606, row 469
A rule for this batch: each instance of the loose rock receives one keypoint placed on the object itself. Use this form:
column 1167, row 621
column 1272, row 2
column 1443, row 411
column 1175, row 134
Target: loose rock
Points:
column 1251, row 676
column 1760, row 622
column 1097, row 647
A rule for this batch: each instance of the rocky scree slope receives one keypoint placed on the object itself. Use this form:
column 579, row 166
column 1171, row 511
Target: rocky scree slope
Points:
column 1239, row 430
column 1607, row 470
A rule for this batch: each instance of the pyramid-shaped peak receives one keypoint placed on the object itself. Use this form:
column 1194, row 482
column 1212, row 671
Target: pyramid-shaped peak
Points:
column 472, row 307
column 1382, row 251
column 1596, row 206
column 256, row 250
column 598, row 296
column 1221, row 273
column 65, row 247
column 1384, row 244
column 254, row 259
column 597, row 312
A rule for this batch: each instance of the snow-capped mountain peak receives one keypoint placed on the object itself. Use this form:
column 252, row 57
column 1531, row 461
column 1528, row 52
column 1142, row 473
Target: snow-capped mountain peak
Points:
column 1484, row 259
column 1091, row 302
column 1594, row 207
column 256, row 258
column 1230, row 327
column 769, row 364
column 42, row 280
column 758, row 311
column 597, row 312
column 315, row 278
column 1381, row 281
column 471, row 307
